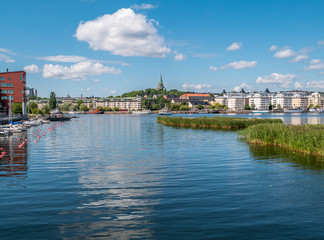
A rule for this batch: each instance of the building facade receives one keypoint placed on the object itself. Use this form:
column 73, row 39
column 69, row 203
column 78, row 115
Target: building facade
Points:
column 196, row 96
column 12, row 88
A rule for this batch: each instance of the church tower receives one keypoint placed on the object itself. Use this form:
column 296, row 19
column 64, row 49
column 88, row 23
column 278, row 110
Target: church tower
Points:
column 160, row 86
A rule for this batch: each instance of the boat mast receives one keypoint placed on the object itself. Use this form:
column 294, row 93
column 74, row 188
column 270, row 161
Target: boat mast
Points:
column 10, row 111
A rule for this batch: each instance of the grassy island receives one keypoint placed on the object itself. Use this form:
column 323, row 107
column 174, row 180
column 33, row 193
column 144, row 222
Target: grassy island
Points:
column 301, row 138
column 214, row 122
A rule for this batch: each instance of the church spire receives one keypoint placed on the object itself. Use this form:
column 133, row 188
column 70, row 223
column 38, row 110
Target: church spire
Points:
column 160, row 85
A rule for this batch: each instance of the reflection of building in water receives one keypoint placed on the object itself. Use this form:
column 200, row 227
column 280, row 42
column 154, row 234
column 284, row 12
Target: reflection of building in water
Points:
column 295, row 121
column 14, row 163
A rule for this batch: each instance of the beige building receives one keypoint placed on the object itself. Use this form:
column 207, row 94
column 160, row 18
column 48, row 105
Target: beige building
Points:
column 316, row 99
column 129, row 103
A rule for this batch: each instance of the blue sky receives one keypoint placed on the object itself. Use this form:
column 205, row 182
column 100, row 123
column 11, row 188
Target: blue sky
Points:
column 103, row 47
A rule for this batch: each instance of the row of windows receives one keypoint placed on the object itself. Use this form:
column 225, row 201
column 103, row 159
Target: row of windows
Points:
column 7, row 97
column 7, row 91
column 6, row 84
column 3, row 78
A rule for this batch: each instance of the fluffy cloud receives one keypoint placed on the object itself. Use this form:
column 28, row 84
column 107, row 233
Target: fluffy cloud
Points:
column 318, row 85
column 245, row 86
column 78, row 71
column 299, row 85
column 299, row 58
column 320, row 42
column 277, row 79
column 179, row 57
column 234, row 46
column 284, row 53
column 32, row 68
column 5, row 58
column 64, row 58
column 143, row 6
column 273, row 48
column 213, row 68
column 315, row 64
column 190, row 86
column 124, row 33
column 4, row 50
column 235, row 65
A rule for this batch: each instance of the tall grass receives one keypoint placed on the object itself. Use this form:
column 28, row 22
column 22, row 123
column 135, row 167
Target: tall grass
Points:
column 303, row 138
column 214, row 122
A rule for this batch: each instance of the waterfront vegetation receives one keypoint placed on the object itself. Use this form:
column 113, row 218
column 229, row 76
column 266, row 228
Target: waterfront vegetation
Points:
column 214, row 122
column 301, row 138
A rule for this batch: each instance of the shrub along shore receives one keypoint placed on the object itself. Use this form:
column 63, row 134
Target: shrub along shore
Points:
column 214, row 122
column 300, row 138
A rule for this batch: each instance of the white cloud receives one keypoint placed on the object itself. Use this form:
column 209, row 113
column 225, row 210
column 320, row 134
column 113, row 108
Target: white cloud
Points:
column 190, row 86
column 4, row 50
column 32, row 68
column 88, row 89
column 239, row 65
column 78, row 71
column 318, row 85
column 234, row 46
column 273, row 48
column 213, row 68
column 315, row 64
column 321, row 73
column 96, row 80
column 284, row 53
column 299, row 85
column 5, row 58
column 245, row 86
column 299, row 58
column 143, row 6
column 277, row 79
column 179, row 57
column 320, row 42
column 124, row 33
column 64, row 58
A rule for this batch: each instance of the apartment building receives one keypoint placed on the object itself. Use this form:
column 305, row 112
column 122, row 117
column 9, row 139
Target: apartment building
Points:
column 261, row 101
column 129, row 103
column 12, row 88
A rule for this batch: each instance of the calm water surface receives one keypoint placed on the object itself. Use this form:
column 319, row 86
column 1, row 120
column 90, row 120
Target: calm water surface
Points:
column 127, row 177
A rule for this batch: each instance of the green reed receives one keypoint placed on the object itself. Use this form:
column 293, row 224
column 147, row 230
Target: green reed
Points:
column 303, row 138
column 214, row 122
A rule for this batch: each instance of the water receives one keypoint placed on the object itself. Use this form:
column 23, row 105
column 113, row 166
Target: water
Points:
column 127, row 177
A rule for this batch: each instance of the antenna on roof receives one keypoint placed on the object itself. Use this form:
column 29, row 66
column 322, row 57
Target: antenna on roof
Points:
column 7, row 70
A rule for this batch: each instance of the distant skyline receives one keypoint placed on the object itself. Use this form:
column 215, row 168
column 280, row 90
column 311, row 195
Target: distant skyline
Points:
column 103, row 47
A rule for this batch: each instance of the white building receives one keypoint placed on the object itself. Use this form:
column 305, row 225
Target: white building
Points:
column 129, row 103
column 261, row 101
column 236, row 103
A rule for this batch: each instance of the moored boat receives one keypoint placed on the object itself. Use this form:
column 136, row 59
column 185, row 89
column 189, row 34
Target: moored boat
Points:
column 142, row 112
column 165, row 111
column 96, row 111
column 260, row 111
column 293, row 111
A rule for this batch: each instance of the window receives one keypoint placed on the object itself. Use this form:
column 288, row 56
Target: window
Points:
column 2, row 78
column 4, row 97
column 10, row 84
column 21, row 78
column 22, row 98
column 3, row 84
column 10, row 91
column 22, row 92
column 11, row 97
column 4, row 91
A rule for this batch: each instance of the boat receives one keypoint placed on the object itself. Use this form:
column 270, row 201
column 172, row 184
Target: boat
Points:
column 142, row 112
column 58, row 117
column 14, row 128
column 312, row 110
column 165, row 111
column 293, row 111
column 320, row 110
column 96, row 111
column 260, row 111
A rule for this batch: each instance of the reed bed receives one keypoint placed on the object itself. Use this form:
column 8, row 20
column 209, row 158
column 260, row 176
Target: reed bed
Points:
column 214, row 122
column 301, row 138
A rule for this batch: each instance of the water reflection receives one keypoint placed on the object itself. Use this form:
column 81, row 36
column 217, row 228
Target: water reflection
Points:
column 14, row 162
column 271, row 154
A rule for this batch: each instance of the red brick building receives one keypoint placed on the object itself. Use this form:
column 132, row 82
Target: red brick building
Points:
column 12, row 85
column 196, row 96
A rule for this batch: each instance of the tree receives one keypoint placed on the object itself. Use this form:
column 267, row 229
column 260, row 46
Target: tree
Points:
column 83, row 107
column 115, row 109
column 32, row 98
column 218, row 106
column 175, row 107
column 200, row 107
column 247, row 107
column 278, row 106
column 100, row 108
column 91, row 105
column 16, row 108
column 270, row 107
column 31, row 106
column 252, row 106
column 52, row 101
column 46, row 109
column 184, row 108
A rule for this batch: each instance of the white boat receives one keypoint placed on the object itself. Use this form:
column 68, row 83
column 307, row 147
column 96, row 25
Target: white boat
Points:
column 320, row 110
column 260, row 111
column 14, row 128
column 142, row 112
column 312, row 110
column 165, row 111
column 293, row 111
